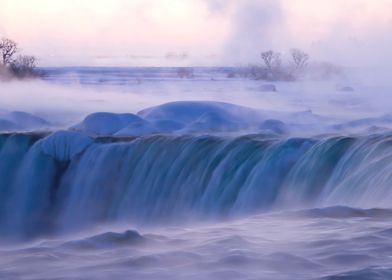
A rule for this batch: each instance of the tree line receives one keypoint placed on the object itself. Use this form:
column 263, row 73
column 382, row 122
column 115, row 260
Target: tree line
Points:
column 291, row 66
column 275, row 68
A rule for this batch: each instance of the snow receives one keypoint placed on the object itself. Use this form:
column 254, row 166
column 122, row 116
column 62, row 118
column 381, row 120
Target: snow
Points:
column 111, row 103
column 172, row 117
column 214, row 122
column 104, row 123
column 6, row 125
column 274, row 126
column 168, row 126
column 26, row 119
column 189, row 111
column 366, row 123
column 197, row 117
column 202, row 116
column 268, row 88
column 137, row 129
column 17, row 120
column 64, row 145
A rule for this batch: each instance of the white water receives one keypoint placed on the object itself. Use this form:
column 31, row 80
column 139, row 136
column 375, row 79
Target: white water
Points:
column 280, row 246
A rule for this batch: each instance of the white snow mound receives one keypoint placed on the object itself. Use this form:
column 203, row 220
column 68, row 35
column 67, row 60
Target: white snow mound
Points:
column 104, row 124
column 64, row 145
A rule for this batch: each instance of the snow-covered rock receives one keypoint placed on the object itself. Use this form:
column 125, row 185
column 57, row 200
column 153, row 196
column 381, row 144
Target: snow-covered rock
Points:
column 268, row 88
column 103, row 123
column 137, row 129
column 6, row 125
column 14, row 121
column 365, row 123
column 274, row 126
column 213, row 122
column 201, row 113
column 26, row 120
column 64, row 145
column 167, row 126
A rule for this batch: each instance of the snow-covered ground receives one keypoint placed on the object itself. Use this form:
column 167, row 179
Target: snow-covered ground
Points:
column 67, row 97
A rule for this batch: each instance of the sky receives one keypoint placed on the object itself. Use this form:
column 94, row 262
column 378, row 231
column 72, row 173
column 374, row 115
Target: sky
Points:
column 197, row 32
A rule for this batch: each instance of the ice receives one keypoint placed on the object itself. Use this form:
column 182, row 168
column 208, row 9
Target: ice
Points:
column 6, row 125
column 104, row 123
column 268, row 88
column 179, row 117
column 64, row 145
column 168, row 126
column 26, row 119
column 189, row 111
column 274, row 126
column 203, row 116
column 17, row 120
column 214, row 122
column 138, row 128
column 365, row 123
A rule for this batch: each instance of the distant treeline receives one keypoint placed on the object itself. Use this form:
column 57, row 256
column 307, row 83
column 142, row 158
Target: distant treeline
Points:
column 15, row 65
column 274, row 66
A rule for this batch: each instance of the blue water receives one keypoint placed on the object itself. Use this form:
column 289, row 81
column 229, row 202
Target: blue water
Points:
column 197, row 207
column 125, row 76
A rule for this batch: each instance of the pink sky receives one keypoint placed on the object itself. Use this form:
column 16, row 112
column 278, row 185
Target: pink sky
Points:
column 143, row 32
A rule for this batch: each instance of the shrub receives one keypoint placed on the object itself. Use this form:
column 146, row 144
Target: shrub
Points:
column 278, row 71
column 24, row 66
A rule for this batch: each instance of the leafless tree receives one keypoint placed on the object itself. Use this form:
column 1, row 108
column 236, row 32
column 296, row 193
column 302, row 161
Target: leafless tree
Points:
column 300, row 59
column 273, row 63
column 8, row 48
column 23, row 66
column 277, row 61
column 26, row 61
column 267, row 57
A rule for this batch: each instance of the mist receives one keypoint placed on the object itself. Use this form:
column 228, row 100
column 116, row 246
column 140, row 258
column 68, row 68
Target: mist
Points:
column 349, row 33
column 314, row 103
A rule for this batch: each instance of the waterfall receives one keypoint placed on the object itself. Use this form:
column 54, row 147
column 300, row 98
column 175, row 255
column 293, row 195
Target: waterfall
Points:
column 67, row 181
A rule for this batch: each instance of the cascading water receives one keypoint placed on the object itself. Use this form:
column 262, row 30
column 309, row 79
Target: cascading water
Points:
column 66, row 181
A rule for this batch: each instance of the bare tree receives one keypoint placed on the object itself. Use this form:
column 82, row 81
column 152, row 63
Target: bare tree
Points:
column 276, row 69
column 267, row 57
column 277, row 61
column 300, row 59
column 24, row 66
column 26, row 61
column 8, row 48
column 273, row 62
